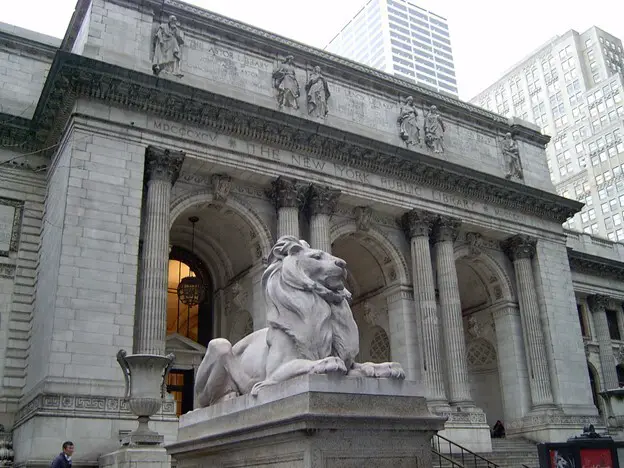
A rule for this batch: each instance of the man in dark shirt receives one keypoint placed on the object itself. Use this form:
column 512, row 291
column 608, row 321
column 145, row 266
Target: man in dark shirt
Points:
column 63, row 459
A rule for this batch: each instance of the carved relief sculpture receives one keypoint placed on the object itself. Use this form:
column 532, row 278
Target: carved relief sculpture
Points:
column 168, row 42
column 286, row 84
column 221, row 186
column 434, row 130
column 511, row 154
column 408, row 123
column 311, row 330
column 363, row 217
column 317, row 94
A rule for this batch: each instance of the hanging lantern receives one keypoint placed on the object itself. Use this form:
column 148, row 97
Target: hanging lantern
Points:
column 191, row 289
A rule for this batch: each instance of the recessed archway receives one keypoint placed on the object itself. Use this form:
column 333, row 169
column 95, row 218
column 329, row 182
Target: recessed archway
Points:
column 375, row 265
column 483, row 285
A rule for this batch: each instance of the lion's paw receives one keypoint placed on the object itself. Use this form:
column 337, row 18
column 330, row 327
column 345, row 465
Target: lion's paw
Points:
column 328, row 365
column 389, row 370
column 260, row 385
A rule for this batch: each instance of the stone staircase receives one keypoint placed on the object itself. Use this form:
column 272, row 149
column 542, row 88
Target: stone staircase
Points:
column 506, row 453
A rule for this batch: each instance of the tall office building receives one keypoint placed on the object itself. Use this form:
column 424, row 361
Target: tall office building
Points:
column 399, row 37
column 572, row 87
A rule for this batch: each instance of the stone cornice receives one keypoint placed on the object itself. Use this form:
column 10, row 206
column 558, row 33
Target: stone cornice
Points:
column 73, row 76
column 24, row 44
column 593, row 265
column 16, row 133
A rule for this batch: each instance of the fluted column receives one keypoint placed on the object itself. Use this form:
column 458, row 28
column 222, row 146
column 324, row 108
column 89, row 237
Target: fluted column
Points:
column 426, row 327
column 444, row 234
column 322, row 203
column 521, row 250
column 598, row 305
column 285, row 194
column 162, row 168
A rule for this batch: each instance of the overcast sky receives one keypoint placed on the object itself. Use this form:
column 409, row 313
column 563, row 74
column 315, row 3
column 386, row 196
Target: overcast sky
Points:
column 488, row 36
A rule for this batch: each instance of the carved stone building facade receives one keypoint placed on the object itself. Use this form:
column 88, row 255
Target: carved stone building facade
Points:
column 125, row 172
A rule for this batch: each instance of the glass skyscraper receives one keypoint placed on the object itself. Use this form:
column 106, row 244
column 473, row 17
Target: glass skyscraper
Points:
column 401, row 38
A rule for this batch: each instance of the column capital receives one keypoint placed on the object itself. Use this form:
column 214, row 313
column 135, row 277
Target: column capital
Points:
column 417, row 223
column 323, row 200
column 285, row 193
column 520, row 246
column 163, row 164
column 446, row 228
column 597, row 302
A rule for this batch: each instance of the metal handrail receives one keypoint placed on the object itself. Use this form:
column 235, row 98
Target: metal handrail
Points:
column 464, row 453
column 441, row 456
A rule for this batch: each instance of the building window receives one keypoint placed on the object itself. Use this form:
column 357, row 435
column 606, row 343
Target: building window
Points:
column 614, row 331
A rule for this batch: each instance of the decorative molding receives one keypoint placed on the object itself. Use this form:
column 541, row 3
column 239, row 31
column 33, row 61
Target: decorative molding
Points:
column 7, row 271
column 542, row 420
column 597, row 266
column 72, row 76
column 363, row 217
column 221, row 187
column 83, row 406
column 16, row 226
column 520, row 246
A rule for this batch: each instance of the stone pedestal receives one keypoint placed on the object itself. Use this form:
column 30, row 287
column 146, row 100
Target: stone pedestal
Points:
column 313, row 421
column 136, row 457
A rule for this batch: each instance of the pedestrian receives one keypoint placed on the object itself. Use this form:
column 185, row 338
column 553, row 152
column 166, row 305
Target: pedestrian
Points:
column 64, row 459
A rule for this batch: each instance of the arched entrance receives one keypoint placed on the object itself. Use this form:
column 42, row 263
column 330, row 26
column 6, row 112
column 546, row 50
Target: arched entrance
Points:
column 376, row 272
column 483, row 287
column 225, row 249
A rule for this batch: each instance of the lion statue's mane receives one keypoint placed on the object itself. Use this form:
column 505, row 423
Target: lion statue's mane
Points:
column 319, row 320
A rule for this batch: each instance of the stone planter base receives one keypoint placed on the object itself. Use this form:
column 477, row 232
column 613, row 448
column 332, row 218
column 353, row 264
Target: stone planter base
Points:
column 136, row 457
column 313, row 421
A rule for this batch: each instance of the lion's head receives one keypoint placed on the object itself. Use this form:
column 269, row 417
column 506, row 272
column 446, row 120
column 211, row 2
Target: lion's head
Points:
column 305, row 293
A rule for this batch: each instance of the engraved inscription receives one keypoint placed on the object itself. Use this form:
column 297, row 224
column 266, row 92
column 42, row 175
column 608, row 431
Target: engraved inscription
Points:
column 7, row 214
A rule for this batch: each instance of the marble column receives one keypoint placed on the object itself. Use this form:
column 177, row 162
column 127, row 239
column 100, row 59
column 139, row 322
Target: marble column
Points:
column 162, row 168
column 445, row 232
column 512, row 369
column 322, row 203
column 425, row 328
column 597, row 305
column 285, row 194
column 521, row 250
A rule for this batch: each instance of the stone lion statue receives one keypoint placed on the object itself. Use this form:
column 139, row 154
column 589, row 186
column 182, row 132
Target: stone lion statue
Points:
column 310, row 330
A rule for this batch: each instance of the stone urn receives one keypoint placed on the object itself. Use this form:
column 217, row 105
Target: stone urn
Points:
column 145, row 376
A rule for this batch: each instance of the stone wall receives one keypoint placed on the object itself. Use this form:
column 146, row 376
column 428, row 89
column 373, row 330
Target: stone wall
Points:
column 85, row 299
column 25, row 60
column 21, row 203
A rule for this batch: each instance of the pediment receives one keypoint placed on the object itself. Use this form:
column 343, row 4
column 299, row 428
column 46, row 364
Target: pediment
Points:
column 178, row 343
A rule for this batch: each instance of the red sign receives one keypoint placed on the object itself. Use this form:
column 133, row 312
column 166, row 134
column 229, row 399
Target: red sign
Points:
column 596, row 458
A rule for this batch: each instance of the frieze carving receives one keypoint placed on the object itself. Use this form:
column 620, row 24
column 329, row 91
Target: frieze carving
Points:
column 551, row 419
column 519, row 247
column 446, row 229
column 511, row 156
column 434, row 130
column 417, row 223
column 318, row 94
column 322, row 200
column 167, row 46
column 83, row 404
column 79, row 76
column 363, row 217
column 221, row 187
column 409, row 131
column 163, row 164
column 286, row 84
